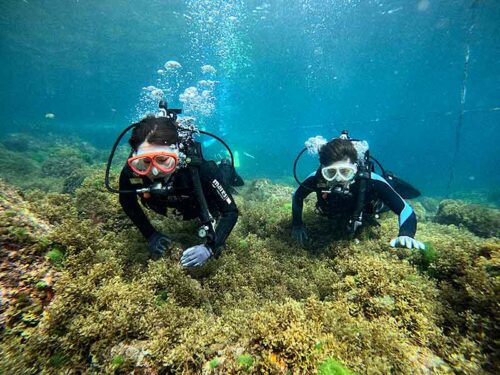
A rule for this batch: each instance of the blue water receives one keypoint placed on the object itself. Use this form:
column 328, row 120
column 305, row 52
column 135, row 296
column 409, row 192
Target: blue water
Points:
column 391, row 72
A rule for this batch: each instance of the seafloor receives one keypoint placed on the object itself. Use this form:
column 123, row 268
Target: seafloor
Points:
column 79, row 293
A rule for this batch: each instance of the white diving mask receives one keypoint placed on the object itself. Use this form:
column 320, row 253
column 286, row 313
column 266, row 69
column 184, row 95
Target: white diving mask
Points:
column 341, row 171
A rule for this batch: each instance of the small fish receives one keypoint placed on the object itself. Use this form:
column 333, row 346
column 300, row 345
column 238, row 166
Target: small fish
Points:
column 394, row 10
column 247, row 154
column 50, row 116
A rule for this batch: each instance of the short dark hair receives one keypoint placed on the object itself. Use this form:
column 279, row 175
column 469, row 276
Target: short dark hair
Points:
column 156, row 130
column 336, row 150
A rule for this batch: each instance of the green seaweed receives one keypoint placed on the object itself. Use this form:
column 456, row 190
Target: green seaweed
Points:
column 333, row 367
column 57, row 360
column 423, row 259
column 429, row 253
column 41, row 284
column 246, row 361
column 117, row 361
column 55, row 256
column 214, row 363
column 162, row 297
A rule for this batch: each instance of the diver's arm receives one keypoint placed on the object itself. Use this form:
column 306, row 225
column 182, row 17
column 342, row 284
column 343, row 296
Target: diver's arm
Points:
column 407, row 218
column 131, row 205
column 218, row 194
column 307, row 187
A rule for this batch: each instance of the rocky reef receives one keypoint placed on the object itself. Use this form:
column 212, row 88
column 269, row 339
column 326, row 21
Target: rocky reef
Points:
column 51, row 164
column 480, row 220
column 80, row 293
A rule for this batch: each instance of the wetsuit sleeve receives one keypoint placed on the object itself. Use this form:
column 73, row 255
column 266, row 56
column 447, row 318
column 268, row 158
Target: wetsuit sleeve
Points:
column 307, row 187
column 218, row 195
column 407, row 218
column 131, row 205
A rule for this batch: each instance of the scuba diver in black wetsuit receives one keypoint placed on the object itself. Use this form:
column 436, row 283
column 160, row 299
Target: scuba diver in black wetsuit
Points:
column 166, row 170
column 348, row 190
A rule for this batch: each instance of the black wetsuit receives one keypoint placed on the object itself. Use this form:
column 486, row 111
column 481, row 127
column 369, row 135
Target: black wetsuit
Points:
column 342, row 206
column 182, row 200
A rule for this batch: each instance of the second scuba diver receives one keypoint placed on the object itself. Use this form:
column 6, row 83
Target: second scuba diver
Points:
column 348, row 189
column 166, row 170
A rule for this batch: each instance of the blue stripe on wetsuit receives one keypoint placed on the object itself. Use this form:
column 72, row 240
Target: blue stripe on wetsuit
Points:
column 407, row 218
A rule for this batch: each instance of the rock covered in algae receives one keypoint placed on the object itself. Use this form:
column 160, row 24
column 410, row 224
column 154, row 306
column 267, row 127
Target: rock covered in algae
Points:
column 266, row 306
column 18, row 222
column 26, row 278
column 480, row 220
column 263, row 189
column 53, row 163
column 21, row 142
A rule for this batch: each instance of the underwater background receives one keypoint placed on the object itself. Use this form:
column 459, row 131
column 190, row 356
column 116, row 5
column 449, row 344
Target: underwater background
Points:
column 390, row 72
column 418, row 79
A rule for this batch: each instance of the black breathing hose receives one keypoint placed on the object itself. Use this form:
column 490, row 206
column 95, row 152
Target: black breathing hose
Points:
column 110, row 160
column 295, row 169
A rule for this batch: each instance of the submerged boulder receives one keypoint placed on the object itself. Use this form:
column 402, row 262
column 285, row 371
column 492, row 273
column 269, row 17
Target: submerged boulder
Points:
column 26, row 278
column 480, row 220
column 264, row 189
column 18, row 223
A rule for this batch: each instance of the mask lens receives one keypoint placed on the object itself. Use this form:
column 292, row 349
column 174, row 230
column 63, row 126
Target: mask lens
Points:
column 347, row 173
column 329, row 173
column 141, row 165
column 165, row 163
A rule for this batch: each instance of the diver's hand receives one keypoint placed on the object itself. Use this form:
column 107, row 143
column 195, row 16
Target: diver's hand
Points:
column 196, row 256
column 406, row 241
column 158, row 243
column 299, row 234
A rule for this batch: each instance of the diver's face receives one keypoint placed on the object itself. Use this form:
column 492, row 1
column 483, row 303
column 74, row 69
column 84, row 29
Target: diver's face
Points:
column 154, row 161
column 342, row 171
